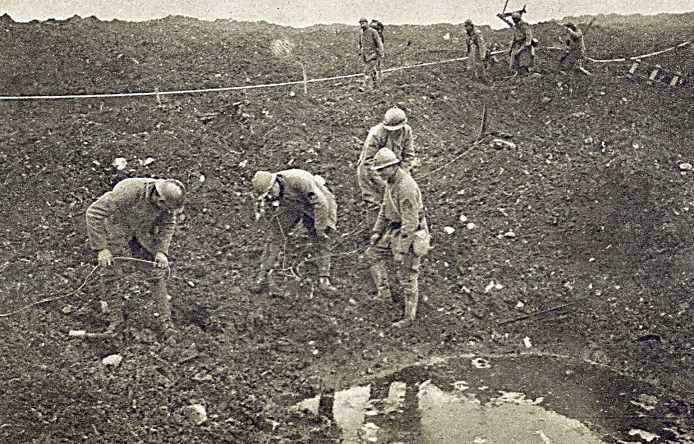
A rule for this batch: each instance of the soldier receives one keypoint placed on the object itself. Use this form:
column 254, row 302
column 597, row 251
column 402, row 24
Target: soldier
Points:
column 371, row 52
column 476, row 52
column 575, row 47
column 138, row 213
column 400, row 230
column 393, row 133
column 297, row 195
column 522, row 52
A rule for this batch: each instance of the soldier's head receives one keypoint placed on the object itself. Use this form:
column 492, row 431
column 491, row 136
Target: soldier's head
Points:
column 469, row 26
column 264, row 184
column 394, row 119
column 386, row 163
column 169, row 195
column 571, row 26
column 364, row 23
column 516, row 17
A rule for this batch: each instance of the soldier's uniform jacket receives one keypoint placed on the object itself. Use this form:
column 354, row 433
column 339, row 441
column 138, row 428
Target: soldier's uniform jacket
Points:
column 400, row 143
column 476, row 46
column 126, row 212
column 522, row 36
column 370, row 44
column 301, row 192
column 402, row 212
column 576, row 43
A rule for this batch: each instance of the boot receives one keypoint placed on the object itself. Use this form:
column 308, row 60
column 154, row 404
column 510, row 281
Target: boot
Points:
column 326, row 286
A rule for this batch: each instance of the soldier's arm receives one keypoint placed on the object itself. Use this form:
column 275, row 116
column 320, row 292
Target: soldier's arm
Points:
column 96, row 216
column 408, row 154
column 371, row 146
column 167, row 226
column 528, row 34
column 409, row 221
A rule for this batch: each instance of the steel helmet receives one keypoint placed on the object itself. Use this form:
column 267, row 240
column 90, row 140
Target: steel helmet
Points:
column 468, row 22
column 172, row 191
column 394, row 119
column 384, row 158
column 363, row 20
column 516, row 16
column 263, row 182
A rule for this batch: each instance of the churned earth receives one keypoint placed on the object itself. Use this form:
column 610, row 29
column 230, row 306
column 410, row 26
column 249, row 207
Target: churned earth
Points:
column 584, row 219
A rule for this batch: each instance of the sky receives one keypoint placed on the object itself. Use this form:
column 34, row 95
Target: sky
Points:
column 299, row 13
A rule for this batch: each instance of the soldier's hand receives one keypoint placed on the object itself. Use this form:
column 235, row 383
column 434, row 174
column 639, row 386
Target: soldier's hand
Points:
column 161, row 260
column 374, row 238
column 105, row 258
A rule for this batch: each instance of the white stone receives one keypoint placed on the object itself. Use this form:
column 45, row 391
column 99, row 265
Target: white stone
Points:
column 463, row 218
column 449, row 230
column 686, row 166
column 195, row 413
column 120, row 163
column 112, row 360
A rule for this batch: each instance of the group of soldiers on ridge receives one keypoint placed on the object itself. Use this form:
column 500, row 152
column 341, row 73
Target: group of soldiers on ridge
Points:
column 521, row 53
column 139, row 215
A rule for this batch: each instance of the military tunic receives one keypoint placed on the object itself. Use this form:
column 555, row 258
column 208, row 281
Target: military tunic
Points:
column 522, row 51
column 400, row 142
column 302, row 198
column 477, row 54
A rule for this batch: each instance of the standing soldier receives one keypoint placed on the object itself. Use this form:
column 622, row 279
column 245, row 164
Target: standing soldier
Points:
column 476, row 51
column 140, row 214
column 371, row 53
column 378, row 26
column 522, row 52
column 393, row 133
column 575, row 47
column 401, row 231
column 297, row 195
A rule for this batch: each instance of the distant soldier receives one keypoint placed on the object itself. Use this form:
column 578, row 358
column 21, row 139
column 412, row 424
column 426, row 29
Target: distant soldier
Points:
column 297, row 195
column 575, row 47
column 393, row 133
column 140, row 215
column 400, row 231
column 378, row 26
column 476, row 52
column 371, row 52
column 522, row 52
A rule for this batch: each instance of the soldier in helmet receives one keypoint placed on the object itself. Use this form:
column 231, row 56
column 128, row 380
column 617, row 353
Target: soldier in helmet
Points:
column 575, row 47
column 393, row 133
column 297, row 195
column 476, row 51
column 371, row 52
column 522, row 52
column 399, row 231
column 139, row 214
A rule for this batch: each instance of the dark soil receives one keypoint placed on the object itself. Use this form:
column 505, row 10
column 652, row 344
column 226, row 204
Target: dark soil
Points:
column 593, row 192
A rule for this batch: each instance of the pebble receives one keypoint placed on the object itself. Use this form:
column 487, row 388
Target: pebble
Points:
column 112, row 360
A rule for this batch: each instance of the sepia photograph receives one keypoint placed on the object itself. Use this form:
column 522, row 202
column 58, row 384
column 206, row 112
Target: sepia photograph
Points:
column 347, row 221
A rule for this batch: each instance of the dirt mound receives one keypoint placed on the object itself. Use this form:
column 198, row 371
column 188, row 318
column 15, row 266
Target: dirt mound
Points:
column 589, row 208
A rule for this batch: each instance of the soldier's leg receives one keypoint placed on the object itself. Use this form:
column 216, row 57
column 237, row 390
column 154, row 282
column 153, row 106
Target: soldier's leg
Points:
column 277, row 227
column 377, row 255
column 158, row 278
column 111, row 290
column 323, row 250
column 408, row 274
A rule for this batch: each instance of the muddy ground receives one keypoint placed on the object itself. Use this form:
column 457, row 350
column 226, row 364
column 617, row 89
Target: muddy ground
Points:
column 593, row 192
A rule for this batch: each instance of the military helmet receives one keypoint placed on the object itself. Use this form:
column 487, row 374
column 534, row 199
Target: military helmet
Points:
column 363, row 20
column 172, row 191
column 394, row 119
column 263, row 182
column 516, row 16
column 384, row 158
column 468, row 22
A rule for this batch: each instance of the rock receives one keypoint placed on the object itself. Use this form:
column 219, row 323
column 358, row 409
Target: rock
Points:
column 148, row 161
column 686, row 166
column 462, row 218
column 470, row 226
column 449, row 230
column 546, row 99
column 501, row 144
column 527, row 343
column 195, row 413
column 119, row 163
column 588, row 140
column 510, row 234
column 112, row 360
column 68, row 309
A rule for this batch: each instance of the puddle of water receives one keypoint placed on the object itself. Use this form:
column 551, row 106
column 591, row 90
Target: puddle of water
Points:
column 433, row 405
